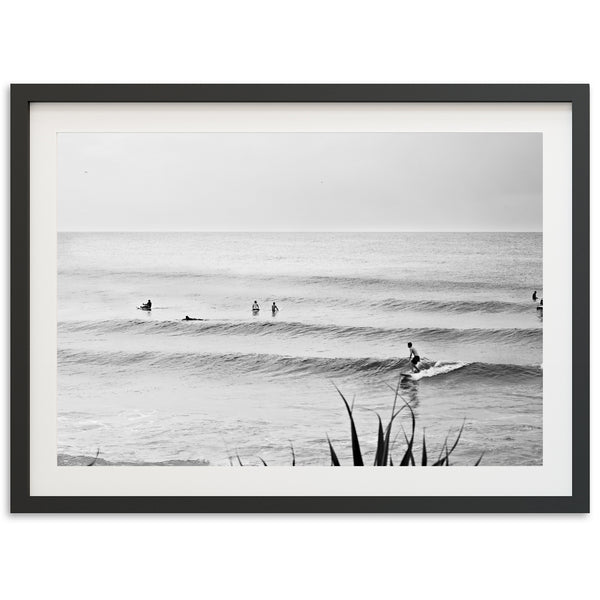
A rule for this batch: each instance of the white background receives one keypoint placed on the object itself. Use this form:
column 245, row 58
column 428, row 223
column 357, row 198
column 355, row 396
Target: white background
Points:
column 528, row 556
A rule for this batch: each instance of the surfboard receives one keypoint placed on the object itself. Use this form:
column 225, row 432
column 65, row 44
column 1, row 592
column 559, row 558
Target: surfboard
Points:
column 406, row 374
column 143, row 308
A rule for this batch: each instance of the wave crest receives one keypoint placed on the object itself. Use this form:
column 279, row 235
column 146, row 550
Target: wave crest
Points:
column 277, row 364
column 299, row 329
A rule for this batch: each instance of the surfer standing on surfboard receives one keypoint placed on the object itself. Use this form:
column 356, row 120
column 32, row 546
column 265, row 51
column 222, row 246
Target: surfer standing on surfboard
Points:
column 414, row 358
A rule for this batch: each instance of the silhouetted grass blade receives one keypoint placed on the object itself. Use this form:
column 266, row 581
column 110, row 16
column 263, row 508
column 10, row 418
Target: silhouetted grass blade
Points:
column 95, row 458
column 457, row 437
column 408, row 457
column 440, row 461
column 334, row 459
column 356, row 453
column 388, row 433
column 380, row 445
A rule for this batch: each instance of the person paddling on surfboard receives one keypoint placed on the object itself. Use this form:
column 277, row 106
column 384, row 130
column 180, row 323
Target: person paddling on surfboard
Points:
column 414, row 358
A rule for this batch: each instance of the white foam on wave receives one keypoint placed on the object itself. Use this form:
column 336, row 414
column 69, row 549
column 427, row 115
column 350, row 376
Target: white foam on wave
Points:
column 439, row 368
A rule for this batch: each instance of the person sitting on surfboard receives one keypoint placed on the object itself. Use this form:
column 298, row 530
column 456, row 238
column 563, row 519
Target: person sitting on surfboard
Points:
column 534, row 297
column 255, row 306
column 414, row 358
column 147, row 306
column 274, row 309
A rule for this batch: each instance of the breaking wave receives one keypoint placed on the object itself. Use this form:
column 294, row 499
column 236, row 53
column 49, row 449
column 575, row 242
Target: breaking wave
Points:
column 277, row 364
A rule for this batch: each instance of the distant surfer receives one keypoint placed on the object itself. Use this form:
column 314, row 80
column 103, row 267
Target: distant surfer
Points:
column 191, row 319
column 255, row 307
column 535, row 296
column 274, row 309
column 147, row 306
column 541, row 306
column 414, row 358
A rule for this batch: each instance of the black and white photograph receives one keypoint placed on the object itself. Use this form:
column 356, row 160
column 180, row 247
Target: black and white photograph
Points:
column 250, row 247
column 260, row 299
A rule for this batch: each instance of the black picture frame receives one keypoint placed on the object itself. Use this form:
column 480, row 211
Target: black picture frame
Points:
column 22, row 95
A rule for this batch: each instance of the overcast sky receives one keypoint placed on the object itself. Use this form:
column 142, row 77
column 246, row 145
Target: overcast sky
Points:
column 300, row 181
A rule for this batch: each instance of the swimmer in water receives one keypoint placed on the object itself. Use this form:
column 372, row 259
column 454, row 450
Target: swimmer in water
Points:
column 535, row 296
column 414, row 358
column 274, row 309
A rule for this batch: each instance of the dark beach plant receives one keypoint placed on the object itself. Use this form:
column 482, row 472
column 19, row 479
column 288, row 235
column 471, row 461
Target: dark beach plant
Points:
column 385, row 443
column 383, row 454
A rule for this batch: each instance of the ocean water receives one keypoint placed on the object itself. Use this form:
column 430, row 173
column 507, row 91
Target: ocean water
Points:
column 149, row 388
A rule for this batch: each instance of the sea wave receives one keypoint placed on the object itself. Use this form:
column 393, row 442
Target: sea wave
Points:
column 277, row 364
column 400, row 305
column 457, row 306
column 301, row 329
column 342, row 281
